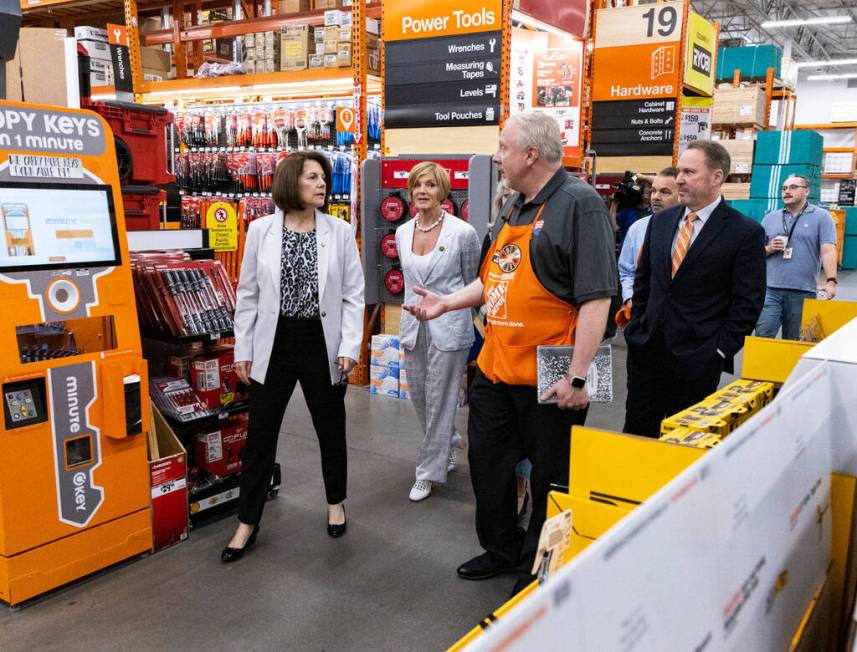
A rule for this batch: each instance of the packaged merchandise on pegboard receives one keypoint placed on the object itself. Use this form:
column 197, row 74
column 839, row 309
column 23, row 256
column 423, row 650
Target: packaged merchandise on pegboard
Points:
column 387, row 207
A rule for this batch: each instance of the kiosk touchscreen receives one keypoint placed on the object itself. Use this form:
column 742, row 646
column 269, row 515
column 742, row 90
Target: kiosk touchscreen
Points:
column 74, row 481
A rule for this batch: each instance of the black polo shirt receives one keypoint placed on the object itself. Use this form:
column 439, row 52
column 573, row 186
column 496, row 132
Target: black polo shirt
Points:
column 574, row 252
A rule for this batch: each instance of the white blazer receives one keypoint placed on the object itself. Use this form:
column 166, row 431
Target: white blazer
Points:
column 340, row 292
column 453, row 265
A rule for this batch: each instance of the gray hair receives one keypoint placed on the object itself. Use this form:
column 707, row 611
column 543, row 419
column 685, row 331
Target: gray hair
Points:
column 540, row 130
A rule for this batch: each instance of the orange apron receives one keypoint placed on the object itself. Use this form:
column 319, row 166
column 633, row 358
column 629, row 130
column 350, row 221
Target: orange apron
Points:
column 521, row 313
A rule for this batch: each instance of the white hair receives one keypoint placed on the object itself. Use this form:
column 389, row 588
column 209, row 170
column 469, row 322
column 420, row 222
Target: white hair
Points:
column 539, row 130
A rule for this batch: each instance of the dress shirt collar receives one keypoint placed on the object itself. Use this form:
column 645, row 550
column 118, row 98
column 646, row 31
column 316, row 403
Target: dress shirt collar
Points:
column 703, row 213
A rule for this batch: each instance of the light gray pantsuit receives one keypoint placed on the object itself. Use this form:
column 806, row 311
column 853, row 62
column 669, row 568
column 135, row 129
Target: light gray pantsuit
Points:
column 434, row 379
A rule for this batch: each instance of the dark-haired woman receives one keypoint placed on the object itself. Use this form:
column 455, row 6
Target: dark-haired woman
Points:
column 299, row 318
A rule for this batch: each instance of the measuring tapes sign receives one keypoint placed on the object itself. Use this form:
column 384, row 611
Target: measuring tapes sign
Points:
column 638, row 52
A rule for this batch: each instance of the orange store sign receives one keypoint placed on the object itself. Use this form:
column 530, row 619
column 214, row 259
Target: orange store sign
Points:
column 426, row 18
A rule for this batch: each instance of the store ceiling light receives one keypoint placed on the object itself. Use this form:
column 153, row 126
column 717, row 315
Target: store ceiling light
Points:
column 800, row 22
column 829, row 62
column 830, row 77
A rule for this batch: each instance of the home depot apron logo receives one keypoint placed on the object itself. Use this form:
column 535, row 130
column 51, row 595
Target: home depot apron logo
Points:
column 508, row 258
column 496, row 300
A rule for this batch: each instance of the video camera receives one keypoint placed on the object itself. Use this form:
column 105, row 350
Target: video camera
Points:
column 629, row 192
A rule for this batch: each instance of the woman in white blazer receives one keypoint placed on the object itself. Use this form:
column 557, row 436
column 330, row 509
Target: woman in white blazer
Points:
column 440, row 253
column 298, row 318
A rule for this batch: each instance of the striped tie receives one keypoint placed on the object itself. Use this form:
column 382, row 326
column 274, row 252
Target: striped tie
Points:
column 683, row 242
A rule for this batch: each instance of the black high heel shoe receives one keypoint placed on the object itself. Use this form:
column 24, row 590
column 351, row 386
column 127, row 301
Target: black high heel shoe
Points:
column 337, row 531
column 234, row 554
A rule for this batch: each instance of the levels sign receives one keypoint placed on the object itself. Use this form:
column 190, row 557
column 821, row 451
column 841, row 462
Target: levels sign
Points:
column 634, row 127
column 443, row 81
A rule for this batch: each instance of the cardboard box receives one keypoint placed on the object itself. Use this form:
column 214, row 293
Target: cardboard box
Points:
column 343, row 57
column 319, row 49
column 741, row 155
column 219, row 451
column 384, row 381
column 736, row 191
column 331, row 46
column 100, row 73
column 331, row 60
column 331, row 33
column 154, row 75
column 745, row 105
column 168, row 481
column 249, row 67
column 318, row 33
column 294, row 47
column 155, row 58
column 316, row 61
column 335, row 17
column 293, row 6
column 345, row 35
column 84, row 33
column 250, row 53
column 250, row 40
column 97, row 50
column 214, row 377
column 385, row 351
column 801, row 147
column 373, row 26
column 373, row 61
column 45, row 68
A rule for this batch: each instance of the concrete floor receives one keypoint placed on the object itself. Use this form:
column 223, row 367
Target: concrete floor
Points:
column 389, row 584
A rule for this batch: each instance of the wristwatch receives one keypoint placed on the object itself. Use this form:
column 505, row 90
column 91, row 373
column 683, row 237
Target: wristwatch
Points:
column 577, row 382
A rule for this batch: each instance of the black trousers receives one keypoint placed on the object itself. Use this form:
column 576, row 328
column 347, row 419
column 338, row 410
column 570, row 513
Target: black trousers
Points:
column 506, row 425
column 299, row 355
column 655, row 392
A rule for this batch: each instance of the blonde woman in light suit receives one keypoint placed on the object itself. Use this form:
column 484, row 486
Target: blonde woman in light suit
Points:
column 440, row 253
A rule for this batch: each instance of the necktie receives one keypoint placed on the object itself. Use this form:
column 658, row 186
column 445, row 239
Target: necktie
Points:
column 683, row 242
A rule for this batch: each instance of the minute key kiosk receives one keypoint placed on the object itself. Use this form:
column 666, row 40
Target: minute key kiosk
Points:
column 74, row 490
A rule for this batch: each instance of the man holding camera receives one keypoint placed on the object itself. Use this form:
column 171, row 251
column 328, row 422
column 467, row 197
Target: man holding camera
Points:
column 699, row 289
column 799, row 239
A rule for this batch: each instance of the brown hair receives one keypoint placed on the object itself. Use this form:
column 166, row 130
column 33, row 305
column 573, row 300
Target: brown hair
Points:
column 284, row 189
column 716, row 156
column 669, row 172
column 440, row 176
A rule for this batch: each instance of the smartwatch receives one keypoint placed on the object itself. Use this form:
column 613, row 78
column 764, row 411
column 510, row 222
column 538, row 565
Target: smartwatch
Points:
column 577, row 382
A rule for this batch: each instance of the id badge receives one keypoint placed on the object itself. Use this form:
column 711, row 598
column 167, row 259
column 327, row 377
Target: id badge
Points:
column 787, row 253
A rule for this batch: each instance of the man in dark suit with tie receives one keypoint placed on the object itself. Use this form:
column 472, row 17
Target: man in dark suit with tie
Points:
column 698, row 291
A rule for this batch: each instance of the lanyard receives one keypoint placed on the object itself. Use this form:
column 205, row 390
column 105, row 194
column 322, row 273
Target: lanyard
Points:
column 794, row 224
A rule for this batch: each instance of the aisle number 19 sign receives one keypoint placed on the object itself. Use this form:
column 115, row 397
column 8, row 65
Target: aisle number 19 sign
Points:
column 638, row 52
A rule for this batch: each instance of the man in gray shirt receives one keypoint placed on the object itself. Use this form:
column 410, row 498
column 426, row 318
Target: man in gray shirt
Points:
column 799, row 239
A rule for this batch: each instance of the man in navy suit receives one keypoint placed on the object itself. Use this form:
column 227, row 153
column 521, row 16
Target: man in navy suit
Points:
column 699, row 289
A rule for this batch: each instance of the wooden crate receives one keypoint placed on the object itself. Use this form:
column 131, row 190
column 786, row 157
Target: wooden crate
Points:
column 739, row 106
column 741, row 153
column 736, row 190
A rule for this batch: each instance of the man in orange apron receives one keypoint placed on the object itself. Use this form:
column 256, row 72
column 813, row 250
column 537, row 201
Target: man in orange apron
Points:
column 547, row 279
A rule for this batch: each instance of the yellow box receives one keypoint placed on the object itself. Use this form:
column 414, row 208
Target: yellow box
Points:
column 772, row 360
column 693, row 438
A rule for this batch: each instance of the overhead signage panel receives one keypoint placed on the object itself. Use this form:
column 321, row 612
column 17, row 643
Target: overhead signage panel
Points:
column 433, row 115
column 443, row 71
column 427, row 18
column 484, row 45
column 699, row 55
column 449, row 93
column 640, row 25
column 641, row 71
column 634, row 128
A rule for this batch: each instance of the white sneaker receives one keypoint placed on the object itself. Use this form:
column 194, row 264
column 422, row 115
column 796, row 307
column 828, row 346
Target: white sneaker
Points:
column 450, row 464
column 420, row 491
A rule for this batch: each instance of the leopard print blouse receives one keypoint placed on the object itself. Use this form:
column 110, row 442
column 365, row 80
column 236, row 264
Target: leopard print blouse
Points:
column 299, row 275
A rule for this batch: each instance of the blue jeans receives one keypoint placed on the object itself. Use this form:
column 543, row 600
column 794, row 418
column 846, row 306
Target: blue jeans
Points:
column 782, row 308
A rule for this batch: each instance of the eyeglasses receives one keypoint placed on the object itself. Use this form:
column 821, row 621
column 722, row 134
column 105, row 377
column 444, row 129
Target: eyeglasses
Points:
column 792, row 187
